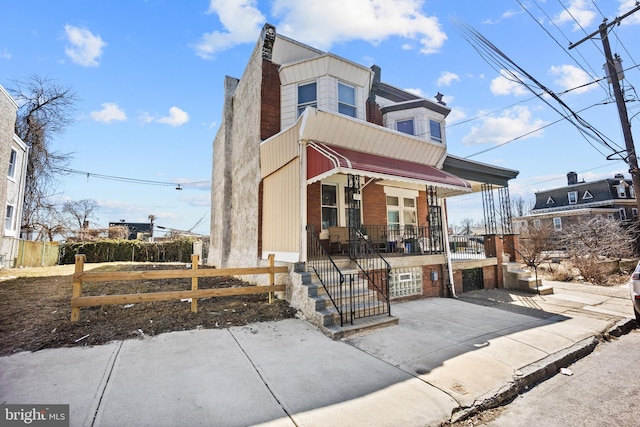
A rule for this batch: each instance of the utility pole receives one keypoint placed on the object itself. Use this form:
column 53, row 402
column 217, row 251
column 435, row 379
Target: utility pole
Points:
column 632, row 159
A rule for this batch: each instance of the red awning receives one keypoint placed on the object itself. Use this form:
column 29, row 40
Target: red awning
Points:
column 324, row 160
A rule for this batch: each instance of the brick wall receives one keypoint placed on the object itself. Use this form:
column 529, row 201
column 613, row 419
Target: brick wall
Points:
column 374, row 205
column 490, row 277
column 270, row 100
column 432, row 288
column 314, row 212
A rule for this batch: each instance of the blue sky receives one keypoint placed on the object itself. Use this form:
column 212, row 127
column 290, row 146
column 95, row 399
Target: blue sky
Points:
column 149, row 75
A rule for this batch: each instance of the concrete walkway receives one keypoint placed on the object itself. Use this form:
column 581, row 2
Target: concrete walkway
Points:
column 445, row 358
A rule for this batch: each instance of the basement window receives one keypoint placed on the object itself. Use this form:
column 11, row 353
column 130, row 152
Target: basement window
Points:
column 405, row 282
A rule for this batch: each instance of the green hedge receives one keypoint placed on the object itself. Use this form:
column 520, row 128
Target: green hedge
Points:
column 177, row 250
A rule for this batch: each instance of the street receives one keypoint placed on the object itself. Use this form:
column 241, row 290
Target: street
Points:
column 604, row 390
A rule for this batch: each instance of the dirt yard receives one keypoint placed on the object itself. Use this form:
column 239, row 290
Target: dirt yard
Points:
column 35, row 308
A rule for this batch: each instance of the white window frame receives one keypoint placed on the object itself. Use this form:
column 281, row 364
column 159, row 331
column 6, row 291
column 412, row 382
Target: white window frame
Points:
column 622, row 193
column 302, row 106
column 9, row 219
column 323, row 206
column 557, row 224
column 572, row 196
column 439, row 138
column 13, row 160
column 342, row 102
column 413, row 125
column 622, row 212
column 587, row 195
column 550, row 201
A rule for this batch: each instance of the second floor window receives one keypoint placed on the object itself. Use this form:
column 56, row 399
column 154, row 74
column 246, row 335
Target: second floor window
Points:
column 405, row 126
column 12, row 164
column 557, row 224
column 346, row 100
column 436, row 131
column 307, row 97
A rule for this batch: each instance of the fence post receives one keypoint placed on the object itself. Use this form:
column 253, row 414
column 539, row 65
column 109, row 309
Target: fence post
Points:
column 77, row 286
column 194, row 283
column 271, row 275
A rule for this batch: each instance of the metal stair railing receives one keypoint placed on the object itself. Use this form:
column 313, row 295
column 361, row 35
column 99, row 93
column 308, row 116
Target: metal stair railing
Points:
column 332, row 279
column 375, row 272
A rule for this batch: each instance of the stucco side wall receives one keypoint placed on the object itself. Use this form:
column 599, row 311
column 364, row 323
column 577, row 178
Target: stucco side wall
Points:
column 8, row 111
column 236, row 175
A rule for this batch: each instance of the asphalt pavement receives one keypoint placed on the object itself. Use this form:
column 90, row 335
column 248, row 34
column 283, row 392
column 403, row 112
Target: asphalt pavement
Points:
column 444, row 360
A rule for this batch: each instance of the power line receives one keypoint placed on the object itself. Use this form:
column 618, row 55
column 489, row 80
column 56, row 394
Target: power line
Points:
column 177, row 185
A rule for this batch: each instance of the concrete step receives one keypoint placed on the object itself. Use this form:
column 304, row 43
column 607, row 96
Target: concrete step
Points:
column 360, row 326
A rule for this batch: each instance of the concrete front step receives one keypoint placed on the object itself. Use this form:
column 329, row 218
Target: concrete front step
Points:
column 360, row 326
column 330, row 315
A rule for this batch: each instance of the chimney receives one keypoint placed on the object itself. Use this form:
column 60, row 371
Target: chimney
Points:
column 572, row 178
column 618, row 176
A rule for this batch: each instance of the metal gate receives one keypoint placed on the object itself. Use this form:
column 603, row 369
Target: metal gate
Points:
column 472, row 280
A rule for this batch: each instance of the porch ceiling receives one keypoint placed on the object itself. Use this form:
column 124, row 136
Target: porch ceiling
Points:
column 325, row 160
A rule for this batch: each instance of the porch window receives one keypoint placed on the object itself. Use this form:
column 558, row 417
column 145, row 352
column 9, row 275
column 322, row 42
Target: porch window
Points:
column 329, row 206
column 12, row 164
column 401, row 212
column 405, row 126
column 307, row 97
column 346, row 100
column 436, row 131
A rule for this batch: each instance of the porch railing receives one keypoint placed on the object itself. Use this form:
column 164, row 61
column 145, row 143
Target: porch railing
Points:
column 402, row 239
column 466, row 247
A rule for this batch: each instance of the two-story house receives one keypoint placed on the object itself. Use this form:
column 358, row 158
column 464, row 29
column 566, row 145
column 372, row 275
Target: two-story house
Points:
column 612, row 198
column 13, row 155
column 318, row 160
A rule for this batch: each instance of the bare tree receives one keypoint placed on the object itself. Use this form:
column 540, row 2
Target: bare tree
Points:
column 521, row 206
column 45, row 110
column 78, row 213
column 589, row 242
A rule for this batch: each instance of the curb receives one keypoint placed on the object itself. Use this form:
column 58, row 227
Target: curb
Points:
column 540, row 371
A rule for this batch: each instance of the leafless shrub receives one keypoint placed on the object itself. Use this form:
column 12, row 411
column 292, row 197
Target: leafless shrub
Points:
column 590, row 242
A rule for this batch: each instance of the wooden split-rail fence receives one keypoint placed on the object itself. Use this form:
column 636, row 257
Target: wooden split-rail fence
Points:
column 80, row 277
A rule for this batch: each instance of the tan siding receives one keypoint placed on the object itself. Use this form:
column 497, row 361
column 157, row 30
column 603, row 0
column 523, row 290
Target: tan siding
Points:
column 278, row 150
column 281, row 217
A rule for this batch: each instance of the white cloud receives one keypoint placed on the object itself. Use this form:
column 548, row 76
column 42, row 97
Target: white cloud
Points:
column 176, row 117
column 85, row 48
column 241, row 20
column 570, row 77
column 417, row 92
column 5, row 54
column 626, row 6
column 446, row 78
column 110, row 112
column 505, row 85
column 323, row 23
column 456, row 115
column 579, row 12
column 198, row 200
column 513, row 123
